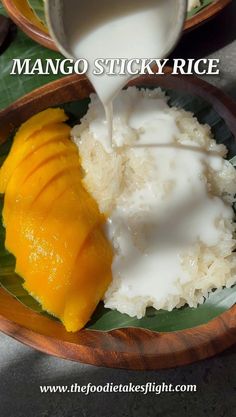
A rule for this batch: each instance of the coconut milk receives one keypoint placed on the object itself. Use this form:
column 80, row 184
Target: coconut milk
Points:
column 120, row 29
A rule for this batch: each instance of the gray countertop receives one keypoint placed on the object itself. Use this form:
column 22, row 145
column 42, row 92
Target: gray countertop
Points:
column 23, row 370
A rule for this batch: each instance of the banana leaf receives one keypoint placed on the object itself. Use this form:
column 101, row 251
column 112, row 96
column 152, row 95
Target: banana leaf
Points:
column 195, row 10
column 233, row 161
column 105, row 319
column 13, row 87
column 38, row 8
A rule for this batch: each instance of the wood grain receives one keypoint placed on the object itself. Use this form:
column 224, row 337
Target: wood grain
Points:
column 21, row 14
column 16, row 10
column 127, row 348
column 205, row 14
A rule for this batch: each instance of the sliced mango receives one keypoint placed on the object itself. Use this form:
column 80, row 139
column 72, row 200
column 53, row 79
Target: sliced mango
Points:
column 53, row 226
column 38, row 140
column 94, row 277
column 38, row 122
column 45, row 127
column 68, row 224
column 39, row 159
column 20, row 197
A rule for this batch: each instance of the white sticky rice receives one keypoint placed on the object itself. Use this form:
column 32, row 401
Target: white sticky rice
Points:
column 112, row 176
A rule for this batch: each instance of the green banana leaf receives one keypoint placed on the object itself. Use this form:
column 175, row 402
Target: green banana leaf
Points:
column 105, row 319
column 38, row 8
column 233, row 161
column 13, row 87
column 195, row 10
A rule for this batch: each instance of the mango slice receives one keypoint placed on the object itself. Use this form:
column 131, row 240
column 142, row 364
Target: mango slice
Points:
column 21, row 194
column 38, row 140
column 53, row 226
column 96, row 248
column 51, row 119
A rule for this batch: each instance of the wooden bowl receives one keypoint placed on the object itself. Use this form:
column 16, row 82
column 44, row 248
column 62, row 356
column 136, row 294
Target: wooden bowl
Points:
column 206, row 14
column 127, row 348
column 21, row 14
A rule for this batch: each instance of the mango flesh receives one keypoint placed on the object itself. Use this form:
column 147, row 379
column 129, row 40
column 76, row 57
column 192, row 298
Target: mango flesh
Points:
column 36, row 124
column 26, row 185
column 53, row 226
column 29, row 181
column 95, row 248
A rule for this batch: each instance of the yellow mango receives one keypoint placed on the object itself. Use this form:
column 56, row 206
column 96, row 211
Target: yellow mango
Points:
column 68, row 224
column 53, row 226
column 93, row 271
column 27, row 191
column 56, row 291
column 39, row 139
column 47, row 129
column 29, row 227
column 38, row 122
column 39, row 159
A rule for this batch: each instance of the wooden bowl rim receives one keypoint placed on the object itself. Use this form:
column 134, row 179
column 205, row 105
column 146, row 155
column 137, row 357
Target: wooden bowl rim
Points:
column 205, row 14
column 34, row 32
column 129, row 348
column 45, row 39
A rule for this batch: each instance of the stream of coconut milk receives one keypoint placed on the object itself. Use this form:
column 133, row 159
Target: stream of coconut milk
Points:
column 120, row 29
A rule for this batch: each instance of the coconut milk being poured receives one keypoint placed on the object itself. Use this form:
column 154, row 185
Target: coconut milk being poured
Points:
column 115, row 29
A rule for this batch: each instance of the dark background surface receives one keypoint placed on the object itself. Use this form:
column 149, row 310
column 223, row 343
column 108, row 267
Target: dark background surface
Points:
column 23, row 370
